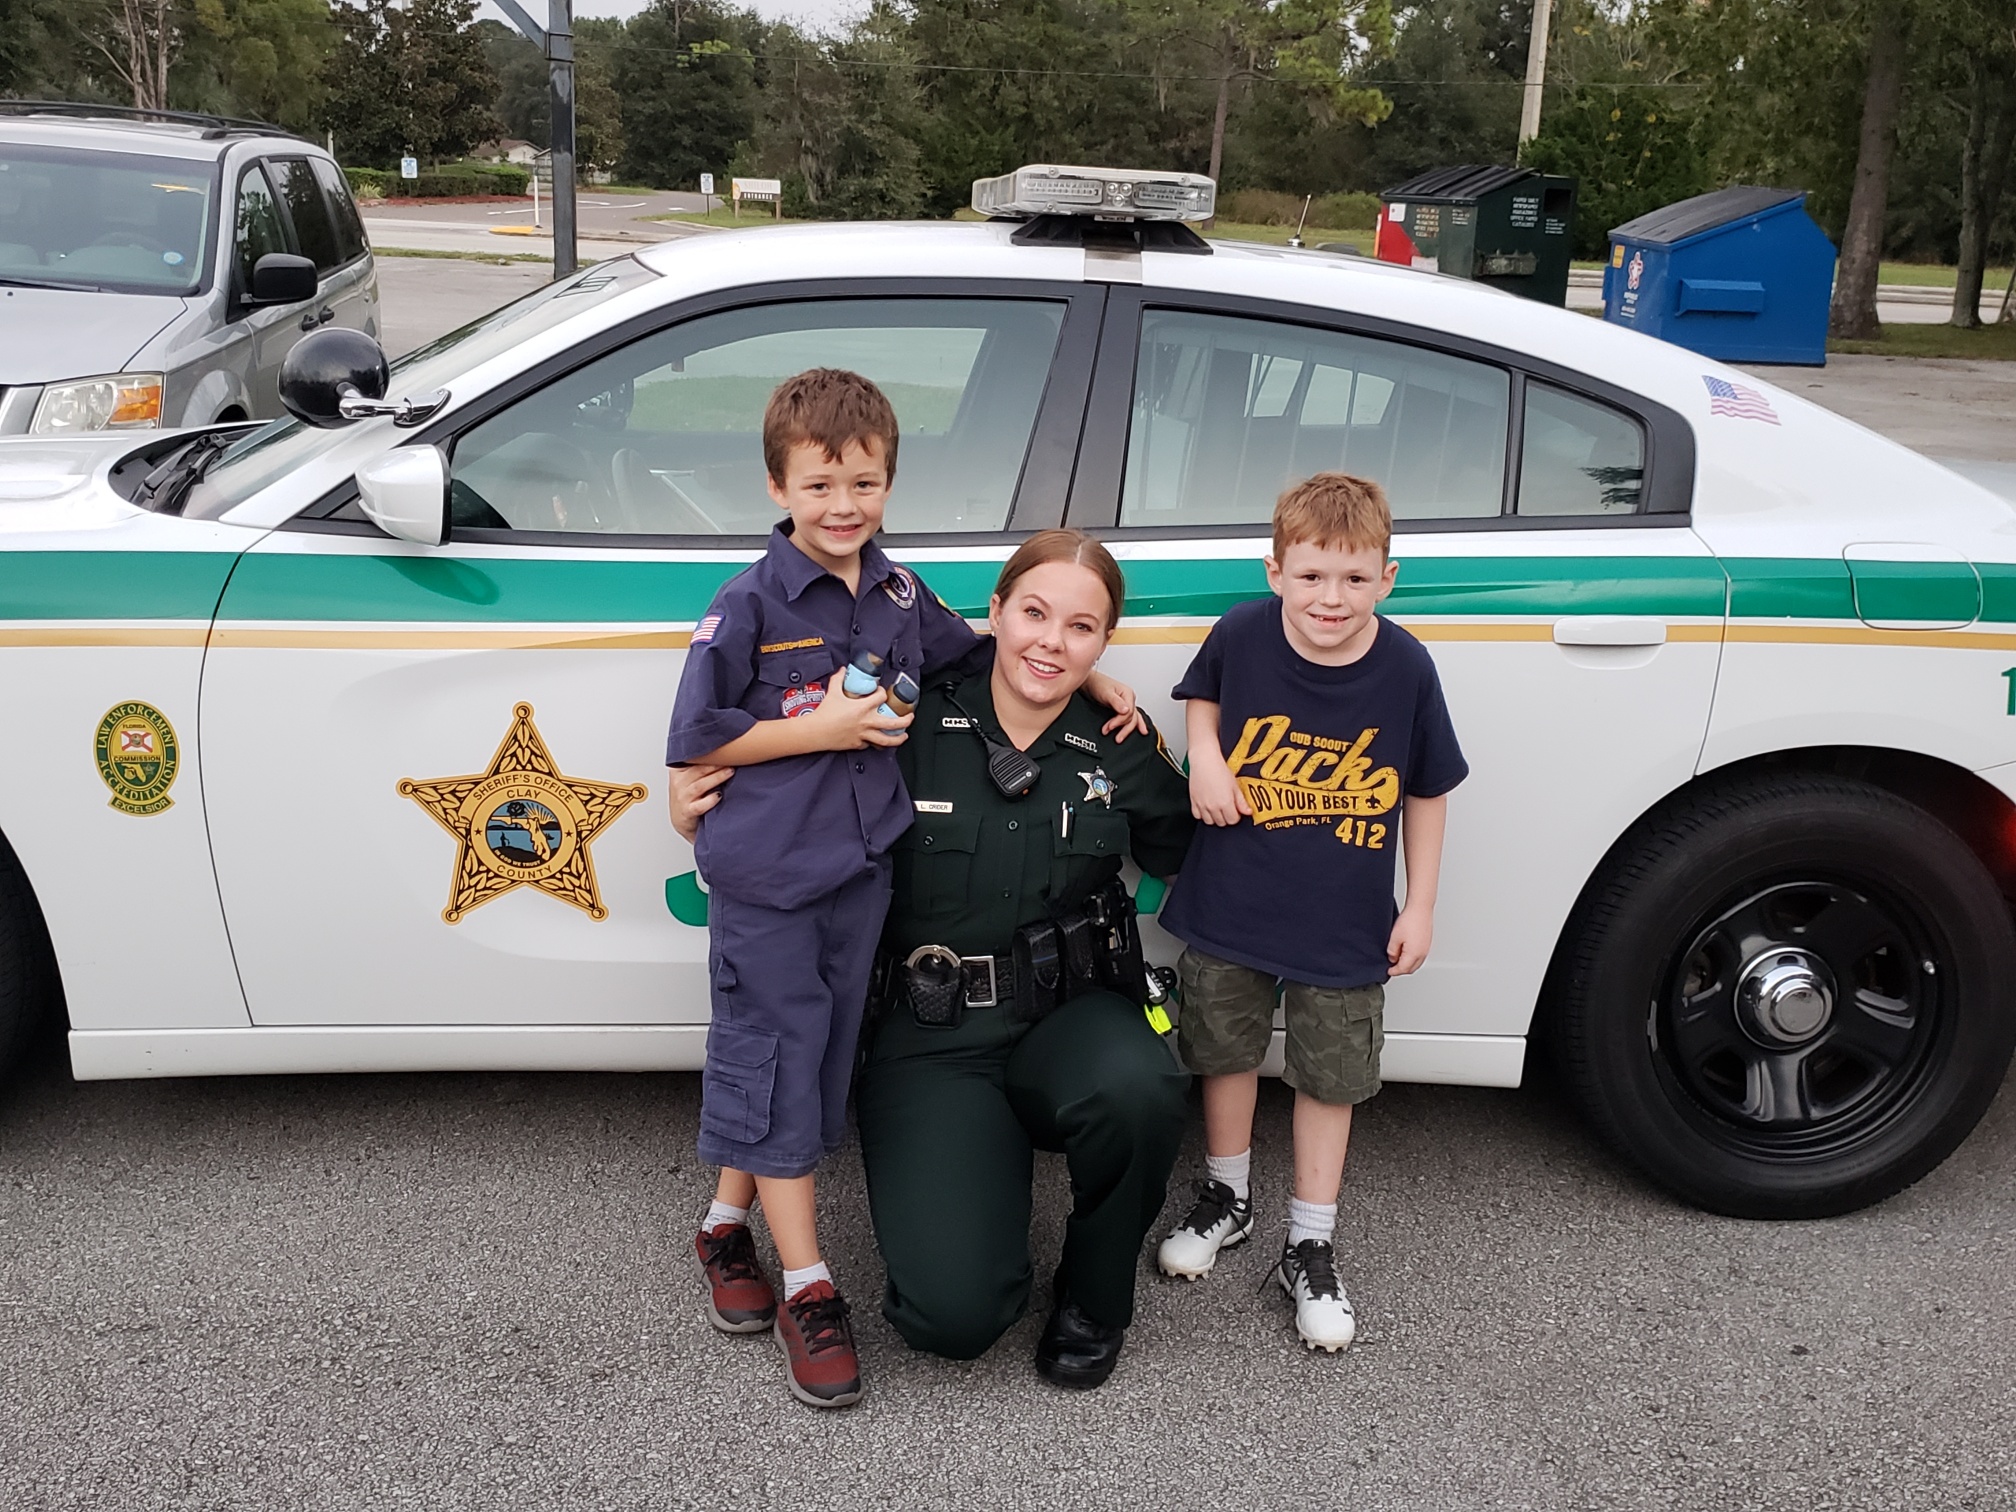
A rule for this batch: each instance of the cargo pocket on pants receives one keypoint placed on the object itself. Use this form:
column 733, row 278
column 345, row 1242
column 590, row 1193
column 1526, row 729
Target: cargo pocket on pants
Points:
column 741, row 1077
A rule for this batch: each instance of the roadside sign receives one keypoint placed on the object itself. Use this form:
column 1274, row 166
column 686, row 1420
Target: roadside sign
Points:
column 771, row 190
column 706, row 183
column 409, row 167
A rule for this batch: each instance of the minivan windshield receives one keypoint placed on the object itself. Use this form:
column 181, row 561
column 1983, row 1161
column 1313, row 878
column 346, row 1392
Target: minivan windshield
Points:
column 118, row 221
column 283, row 445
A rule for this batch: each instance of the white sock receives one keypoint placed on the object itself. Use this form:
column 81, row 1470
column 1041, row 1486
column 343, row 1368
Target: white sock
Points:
column 1311, row 1220
column 796, row 1281
column 718, row 1213
column 1234, row 1170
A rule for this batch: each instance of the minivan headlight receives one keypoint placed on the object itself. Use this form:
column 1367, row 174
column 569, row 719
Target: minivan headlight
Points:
column 118, row 401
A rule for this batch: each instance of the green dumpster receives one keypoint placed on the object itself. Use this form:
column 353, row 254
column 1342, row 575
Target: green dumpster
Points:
column 1507, row 227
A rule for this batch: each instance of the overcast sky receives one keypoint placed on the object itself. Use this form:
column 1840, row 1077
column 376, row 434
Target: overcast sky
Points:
column 819, row 15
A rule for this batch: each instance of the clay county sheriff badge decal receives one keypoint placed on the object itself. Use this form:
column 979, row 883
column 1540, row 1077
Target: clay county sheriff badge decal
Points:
column 521, row 824
column 137, row 756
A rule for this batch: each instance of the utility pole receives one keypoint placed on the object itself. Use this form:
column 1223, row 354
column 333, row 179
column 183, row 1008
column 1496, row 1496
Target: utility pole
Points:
column 556, row 40
column 1536, row 72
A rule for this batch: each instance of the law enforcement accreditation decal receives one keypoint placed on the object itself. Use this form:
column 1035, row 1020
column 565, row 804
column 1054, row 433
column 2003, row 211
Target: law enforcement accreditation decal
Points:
column 137, row 756
column 520, row 823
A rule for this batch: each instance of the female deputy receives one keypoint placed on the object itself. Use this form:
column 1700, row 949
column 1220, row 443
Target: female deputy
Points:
column 972, row 1066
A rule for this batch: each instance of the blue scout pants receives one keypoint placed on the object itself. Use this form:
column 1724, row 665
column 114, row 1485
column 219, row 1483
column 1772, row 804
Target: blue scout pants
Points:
column 789, row 987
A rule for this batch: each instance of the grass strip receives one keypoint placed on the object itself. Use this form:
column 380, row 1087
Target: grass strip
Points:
column 471, row 256
column 1993, row 343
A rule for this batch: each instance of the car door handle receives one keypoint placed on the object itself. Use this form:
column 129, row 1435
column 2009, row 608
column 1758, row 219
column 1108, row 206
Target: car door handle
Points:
column 1609, row 630
column 316, row 318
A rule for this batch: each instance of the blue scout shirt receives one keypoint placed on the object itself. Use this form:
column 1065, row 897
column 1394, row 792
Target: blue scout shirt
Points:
column 1324, row 756
column 788, row 831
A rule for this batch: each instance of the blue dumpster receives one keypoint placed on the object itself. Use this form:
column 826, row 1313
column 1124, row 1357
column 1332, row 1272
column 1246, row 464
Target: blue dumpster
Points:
column 1741, row 275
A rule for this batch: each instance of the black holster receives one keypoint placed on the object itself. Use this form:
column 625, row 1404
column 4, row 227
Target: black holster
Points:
column 1038, row 952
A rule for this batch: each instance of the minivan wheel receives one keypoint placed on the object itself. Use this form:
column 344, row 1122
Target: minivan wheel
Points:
column 1787, row 997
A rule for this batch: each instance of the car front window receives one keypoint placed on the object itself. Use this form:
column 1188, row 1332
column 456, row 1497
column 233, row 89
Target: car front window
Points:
column 121, row 222
column 280, row 446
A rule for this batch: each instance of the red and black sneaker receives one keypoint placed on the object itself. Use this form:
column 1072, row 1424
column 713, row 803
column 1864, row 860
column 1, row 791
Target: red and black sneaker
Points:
column 821, row 1367
column 739, row 1299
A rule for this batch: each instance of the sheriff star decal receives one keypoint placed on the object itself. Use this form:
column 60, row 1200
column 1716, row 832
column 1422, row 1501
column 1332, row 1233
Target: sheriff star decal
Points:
column 1099, row 787
column 520, row 823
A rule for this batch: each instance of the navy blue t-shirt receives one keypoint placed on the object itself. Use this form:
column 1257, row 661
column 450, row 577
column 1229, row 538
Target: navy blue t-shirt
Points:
column 788, row 831
column 1324, row 756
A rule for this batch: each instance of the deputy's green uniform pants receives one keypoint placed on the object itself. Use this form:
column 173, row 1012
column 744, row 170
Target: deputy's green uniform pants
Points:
column 950, row 1119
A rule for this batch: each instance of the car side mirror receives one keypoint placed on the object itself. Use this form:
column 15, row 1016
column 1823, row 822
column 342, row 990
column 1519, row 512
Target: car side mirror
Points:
column 283, row 278
column 405, row 494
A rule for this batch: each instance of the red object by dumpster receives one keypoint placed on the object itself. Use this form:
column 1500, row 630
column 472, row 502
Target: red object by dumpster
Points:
column 1390, row 241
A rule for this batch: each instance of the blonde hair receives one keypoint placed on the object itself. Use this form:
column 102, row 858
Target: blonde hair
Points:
column 1334, row 509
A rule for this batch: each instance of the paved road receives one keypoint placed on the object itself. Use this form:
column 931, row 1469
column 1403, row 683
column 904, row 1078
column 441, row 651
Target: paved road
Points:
column 476, row 1291
column 607, row 225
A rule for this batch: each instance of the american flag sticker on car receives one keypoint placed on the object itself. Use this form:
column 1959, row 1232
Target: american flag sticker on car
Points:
column 704, row 631
column 1738, row 400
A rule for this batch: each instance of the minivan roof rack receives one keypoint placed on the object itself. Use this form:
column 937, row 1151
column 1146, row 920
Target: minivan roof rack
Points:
column 214, row 126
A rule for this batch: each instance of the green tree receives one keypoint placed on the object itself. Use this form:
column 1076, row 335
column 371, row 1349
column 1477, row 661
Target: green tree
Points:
column 840, row 120
column 410, row 77
column 685, row 73
column 258, row 58
column 1005, row 82
column 1620, row 120
column 1311, row 47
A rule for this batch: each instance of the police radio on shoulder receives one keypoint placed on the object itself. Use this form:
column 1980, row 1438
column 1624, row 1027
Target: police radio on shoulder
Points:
column 1102, row 193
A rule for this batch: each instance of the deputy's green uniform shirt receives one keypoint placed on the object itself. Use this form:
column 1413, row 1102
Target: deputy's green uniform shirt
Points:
column 977, row 865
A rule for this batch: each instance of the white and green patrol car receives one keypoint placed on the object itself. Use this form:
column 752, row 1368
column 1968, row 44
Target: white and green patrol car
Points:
column 337, row 746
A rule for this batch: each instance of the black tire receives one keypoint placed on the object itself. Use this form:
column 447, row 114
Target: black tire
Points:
column 1787, row 997
column 29, row 996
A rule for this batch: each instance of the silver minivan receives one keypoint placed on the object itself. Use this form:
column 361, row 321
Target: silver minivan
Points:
column 155, row 267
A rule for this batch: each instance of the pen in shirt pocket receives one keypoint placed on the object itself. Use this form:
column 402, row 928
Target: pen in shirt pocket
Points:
column 1064, row 820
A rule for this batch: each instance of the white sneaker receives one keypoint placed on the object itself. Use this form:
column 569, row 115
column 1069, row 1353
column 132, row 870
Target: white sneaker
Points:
column 1217, row 1220
column 1323, row 1316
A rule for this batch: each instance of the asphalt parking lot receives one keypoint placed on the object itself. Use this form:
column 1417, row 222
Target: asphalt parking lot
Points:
column 478, row 1291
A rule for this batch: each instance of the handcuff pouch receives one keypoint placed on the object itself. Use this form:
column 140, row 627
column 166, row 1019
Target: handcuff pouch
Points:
column 934, row 983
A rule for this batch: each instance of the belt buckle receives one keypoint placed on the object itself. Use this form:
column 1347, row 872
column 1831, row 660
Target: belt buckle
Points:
column 972, row 964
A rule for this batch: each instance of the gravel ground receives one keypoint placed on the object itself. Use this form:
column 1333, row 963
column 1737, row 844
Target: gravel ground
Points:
column 478, row 1291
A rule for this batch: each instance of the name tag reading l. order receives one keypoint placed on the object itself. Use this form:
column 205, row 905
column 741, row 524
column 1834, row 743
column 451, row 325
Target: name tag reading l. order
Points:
column 925, row 806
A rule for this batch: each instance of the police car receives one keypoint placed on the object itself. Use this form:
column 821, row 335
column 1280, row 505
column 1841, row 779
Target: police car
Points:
column 334, row 744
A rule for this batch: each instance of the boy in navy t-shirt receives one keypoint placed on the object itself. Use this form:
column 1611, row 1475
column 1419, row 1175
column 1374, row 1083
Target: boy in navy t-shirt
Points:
column 1320, row 747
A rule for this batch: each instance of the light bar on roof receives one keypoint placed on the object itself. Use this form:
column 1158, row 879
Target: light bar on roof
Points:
column 1107, row 193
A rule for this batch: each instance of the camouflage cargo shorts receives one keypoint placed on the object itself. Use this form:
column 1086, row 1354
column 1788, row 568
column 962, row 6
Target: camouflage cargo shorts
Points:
column 1334, row 1034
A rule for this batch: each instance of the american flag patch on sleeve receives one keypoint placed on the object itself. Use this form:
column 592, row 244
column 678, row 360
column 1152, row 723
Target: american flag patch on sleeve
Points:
column 1737, row 400
column 704, row 631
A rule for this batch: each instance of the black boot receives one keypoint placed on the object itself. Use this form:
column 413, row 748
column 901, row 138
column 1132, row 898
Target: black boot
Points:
column 1076, row 1352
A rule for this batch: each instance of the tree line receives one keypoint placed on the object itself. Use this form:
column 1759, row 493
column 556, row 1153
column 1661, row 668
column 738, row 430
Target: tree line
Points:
column 1898, row 116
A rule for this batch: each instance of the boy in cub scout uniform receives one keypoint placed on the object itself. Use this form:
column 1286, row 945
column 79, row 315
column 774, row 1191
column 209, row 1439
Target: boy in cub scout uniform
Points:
column 796, row 855
column 1320, row 746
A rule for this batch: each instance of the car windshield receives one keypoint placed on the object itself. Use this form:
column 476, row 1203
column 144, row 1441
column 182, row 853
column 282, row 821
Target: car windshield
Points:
column 283, row 445
column 119, row 221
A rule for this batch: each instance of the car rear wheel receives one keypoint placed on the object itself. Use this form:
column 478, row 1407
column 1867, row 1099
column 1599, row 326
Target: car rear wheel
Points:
column 1788, row 997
